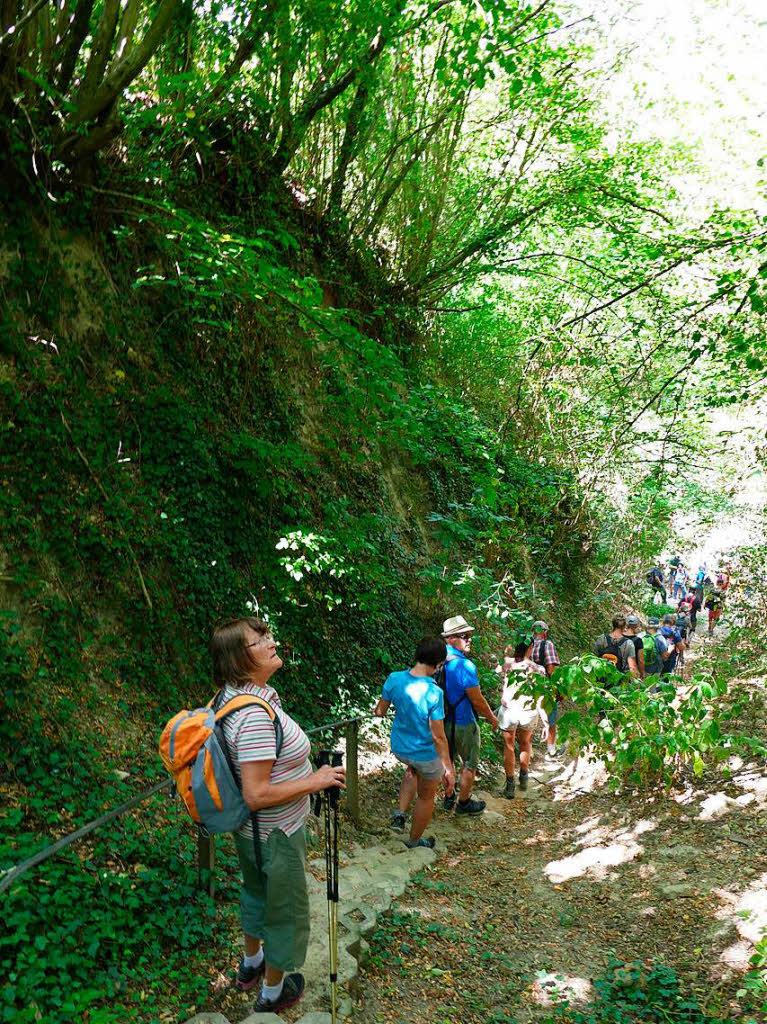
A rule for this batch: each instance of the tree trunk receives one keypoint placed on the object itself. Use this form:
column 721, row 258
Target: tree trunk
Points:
column 349, row 143
column 101, row 48
column 70, row 47
column 71, row 142
column 318, row 99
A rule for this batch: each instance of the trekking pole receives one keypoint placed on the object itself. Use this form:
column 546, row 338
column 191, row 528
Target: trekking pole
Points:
column 334, row 758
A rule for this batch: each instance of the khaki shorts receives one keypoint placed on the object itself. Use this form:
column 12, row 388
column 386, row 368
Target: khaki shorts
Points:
column 431, row 770
column 467, row 741
column 274, row 901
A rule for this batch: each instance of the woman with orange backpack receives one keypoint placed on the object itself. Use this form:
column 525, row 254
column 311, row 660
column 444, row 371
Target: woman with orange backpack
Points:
column 269, row 754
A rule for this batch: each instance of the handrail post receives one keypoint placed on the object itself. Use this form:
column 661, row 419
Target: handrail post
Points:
column 206, row 860
column 352, row 772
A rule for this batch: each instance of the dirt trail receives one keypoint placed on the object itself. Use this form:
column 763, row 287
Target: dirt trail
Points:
column 569, row 877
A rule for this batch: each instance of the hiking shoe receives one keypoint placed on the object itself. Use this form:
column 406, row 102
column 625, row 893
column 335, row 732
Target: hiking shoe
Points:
column 247, row 977
column 292, row 990
column 470, row 807
column 448, row 803
column 509, row 790
column 523, row 781
column 398, row 821
column 426, row 842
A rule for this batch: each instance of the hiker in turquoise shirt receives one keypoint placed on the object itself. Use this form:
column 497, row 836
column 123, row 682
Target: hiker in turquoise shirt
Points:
column 418, row 737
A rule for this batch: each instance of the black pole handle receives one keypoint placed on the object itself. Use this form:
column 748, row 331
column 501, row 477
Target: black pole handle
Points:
column 333, row 792
column 336, row 759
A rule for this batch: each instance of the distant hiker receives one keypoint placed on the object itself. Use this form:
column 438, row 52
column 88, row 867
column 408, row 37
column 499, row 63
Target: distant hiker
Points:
column 418, row 737
column 680, row 582
column 702, row 580
column 682, row 625
column 696, row 603
column 656, row 649
column 682, row 621
column 518, row 716
column 723, row 580
column 544, row 653
column 655, row 579
column 714, row 604
column 675, row 562
column 631, row 630
column 273, row 768
column 463, row 698
column 617, row 649
column 675, row 644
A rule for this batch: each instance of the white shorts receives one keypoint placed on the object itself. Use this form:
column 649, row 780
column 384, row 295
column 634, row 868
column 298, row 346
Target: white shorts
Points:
column 515, row 718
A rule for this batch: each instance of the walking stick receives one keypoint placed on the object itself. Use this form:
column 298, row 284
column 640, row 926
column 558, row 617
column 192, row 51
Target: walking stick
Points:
column 334, row 758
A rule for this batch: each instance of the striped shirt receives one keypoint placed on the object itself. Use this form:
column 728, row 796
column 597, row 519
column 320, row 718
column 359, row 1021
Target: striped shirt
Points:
column 251, row 737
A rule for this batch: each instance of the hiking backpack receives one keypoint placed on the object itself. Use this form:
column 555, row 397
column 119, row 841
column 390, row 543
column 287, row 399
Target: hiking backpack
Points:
column 654, row 576
column 651, row 653
column 440, row 678
column 615, row 653
column 194, row 750
column 538, row 654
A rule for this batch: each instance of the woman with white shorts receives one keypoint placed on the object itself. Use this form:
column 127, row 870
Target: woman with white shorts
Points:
column 518, row 715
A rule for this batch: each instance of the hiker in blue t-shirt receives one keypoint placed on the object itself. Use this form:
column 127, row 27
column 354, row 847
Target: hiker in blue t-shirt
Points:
column 675, row 642
column 463, row 698
column 418, row 737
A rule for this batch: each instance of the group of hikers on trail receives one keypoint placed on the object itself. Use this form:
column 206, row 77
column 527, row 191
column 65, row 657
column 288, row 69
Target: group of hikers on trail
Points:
column 436, row 704
column 438, row 700
column 691, row 592
column 242, row 764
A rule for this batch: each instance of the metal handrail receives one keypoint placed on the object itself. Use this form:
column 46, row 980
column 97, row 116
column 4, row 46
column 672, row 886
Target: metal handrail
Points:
column 336, row 725
column 12, row 874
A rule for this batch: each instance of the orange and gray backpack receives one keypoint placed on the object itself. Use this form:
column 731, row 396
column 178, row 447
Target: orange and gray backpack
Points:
column 194, row 750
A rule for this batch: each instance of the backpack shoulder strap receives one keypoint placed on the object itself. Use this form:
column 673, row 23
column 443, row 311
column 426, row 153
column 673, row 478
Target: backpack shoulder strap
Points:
column 449, row 706
column 244, row 700
column 615, row 645
column 247, row 700
column 222, row 711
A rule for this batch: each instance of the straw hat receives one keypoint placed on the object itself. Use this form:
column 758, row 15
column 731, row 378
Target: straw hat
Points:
column 456, row 625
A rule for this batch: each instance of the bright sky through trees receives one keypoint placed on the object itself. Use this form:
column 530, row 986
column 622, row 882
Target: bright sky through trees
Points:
column 696, row 74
